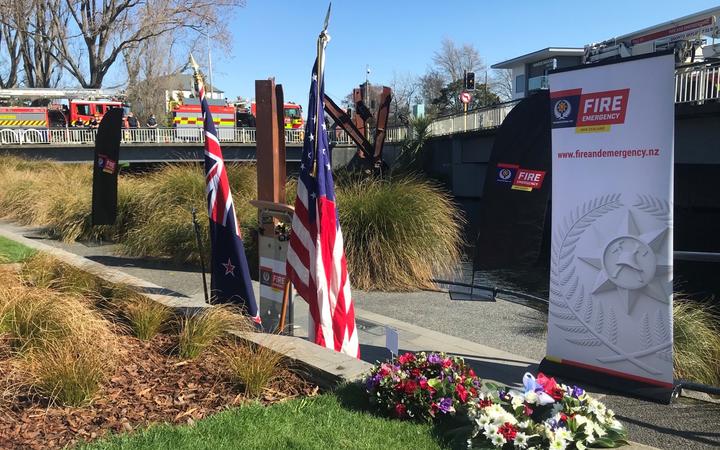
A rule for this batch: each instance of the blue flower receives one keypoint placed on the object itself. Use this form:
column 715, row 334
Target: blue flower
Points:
column 434, row 358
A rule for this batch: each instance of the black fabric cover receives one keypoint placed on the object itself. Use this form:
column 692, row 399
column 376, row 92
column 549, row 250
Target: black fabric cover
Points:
column 512, row 222
column 106, row 168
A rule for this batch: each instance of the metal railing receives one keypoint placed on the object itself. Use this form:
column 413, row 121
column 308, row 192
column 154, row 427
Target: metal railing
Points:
column 697, row 83
column 478, row 119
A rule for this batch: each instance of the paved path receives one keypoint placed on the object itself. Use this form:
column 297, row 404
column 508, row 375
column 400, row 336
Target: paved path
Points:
column 432, row 321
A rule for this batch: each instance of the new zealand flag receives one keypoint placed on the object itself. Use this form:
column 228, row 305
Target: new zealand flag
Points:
column 230, row 282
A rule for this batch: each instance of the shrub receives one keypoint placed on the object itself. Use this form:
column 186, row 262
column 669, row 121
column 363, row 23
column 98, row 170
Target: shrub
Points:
column 696, row 342
column 398, row 234
column 253, row 366
column 146, row 317
column 203, row 329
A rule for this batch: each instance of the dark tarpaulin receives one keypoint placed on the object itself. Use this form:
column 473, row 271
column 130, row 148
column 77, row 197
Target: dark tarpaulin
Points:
column 512, row 222
column 105, row 168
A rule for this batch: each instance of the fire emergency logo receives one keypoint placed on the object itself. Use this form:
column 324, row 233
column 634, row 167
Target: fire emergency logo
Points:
column 590, row 112
column 562, row 109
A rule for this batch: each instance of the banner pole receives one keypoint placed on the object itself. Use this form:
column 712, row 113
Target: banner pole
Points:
column 196, row 227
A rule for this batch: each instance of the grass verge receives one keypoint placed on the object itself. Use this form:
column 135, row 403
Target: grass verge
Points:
column 327, row 421
column 12, row 252
column 253, row 366
column 145, row 317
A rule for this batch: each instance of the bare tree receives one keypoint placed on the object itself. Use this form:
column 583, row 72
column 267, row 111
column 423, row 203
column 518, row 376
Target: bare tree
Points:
column 453, row 60
column 431, row 84
column 9, row 55
column 404, row 91
column 103, row 30
column 502, row 84
column 29, row 31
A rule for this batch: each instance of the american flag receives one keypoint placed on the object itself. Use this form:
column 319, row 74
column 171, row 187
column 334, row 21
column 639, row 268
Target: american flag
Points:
column 316, row 261
column 230, row 275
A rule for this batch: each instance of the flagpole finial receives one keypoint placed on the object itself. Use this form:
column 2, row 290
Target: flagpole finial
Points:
column 197, row 77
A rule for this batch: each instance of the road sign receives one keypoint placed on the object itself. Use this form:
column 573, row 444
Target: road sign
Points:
column 465, row 97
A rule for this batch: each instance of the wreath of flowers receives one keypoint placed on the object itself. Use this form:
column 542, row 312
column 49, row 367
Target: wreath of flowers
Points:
column 422, row 385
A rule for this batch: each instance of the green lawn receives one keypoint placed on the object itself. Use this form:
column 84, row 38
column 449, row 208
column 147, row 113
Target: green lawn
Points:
column 11, row 251
column 325, row 422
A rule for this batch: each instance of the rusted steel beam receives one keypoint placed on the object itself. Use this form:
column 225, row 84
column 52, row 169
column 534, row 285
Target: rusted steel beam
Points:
column 381, row 123
column 343, row 119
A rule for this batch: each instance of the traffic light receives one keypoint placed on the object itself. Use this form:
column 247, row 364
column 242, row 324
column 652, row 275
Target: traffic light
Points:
column 470, row 81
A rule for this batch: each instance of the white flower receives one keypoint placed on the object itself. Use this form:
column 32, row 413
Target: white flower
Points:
column 563, row 434
column 616, row 424
column 482, row 420
column 590, row 439
column 558, row 445
column 498, row 440
column 525, row 424
column 521, row 440
column 490, row 430
column 517, row 399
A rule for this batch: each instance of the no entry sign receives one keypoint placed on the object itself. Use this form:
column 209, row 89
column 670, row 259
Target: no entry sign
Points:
column 465, row 97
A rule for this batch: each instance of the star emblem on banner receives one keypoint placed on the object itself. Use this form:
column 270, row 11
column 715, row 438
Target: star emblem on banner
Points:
column 229, row 268
column 629, row 264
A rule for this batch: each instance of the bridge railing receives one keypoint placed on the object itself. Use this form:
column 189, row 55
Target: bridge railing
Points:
column 697, row 83
column 478, row 119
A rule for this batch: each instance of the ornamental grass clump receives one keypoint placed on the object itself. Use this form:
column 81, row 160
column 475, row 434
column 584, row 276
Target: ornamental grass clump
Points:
column 204, row 328
column 253, row 366
column 423, row 386
column 165, row 199
column 398, row 234
column 145, row 317
column 696, row 345
column 44, row 271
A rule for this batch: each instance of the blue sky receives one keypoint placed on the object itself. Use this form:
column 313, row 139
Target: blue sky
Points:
column 278, row 37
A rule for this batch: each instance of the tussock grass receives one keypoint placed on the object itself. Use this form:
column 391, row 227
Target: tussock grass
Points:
column 253, row 366
column 165, row 199
column 696, row 341
column 204, row 328
column 69, row 371
column 44, row 271
column 145, row 317
column 399, row 234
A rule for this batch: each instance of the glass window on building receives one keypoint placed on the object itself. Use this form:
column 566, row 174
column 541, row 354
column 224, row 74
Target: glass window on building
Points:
column 520, row 83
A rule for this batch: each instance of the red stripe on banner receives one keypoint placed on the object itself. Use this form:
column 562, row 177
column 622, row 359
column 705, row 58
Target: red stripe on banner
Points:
column 327, row 231
column 566, row 93
column 617, row 374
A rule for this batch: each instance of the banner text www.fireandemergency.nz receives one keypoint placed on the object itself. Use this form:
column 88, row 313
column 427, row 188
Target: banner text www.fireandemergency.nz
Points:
column 625, row 153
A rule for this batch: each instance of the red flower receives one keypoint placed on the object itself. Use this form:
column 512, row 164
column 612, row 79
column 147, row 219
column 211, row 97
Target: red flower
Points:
column 400, row 410
column 527, row 410
column 508, row 431
column 447, row 362
column 424, row 385
column 410, row 386
column 406, row 358
column 462, row 392
column 415, row 373
column 471, row 373
column 485, row 402
column 473, row 392
column 433, row 408
column 550, row 386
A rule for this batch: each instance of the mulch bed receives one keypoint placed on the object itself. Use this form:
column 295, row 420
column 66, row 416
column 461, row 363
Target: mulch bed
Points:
column 149, row 386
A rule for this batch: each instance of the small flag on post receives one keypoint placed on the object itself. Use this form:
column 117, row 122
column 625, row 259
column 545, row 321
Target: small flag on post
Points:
column 230, row 276
column 316, row 261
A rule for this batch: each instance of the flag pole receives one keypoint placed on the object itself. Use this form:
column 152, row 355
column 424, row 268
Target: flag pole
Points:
column 322, row 42
column 196, row 226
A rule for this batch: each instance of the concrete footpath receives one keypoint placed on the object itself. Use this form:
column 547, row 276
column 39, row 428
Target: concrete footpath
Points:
column 459, row 328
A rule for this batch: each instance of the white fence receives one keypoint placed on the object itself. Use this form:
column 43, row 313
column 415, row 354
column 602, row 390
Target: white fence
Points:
column 478, row 119
column 697, row 83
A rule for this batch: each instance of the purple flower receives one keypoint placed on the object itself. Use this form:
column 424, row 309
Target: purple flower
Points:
column 445, row 404
column 577, row 392
column 434, row 358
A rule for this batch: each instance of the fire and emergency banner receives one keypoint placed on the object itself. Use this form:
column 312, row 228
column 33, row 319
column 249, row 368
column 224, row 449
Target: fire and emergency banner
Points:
column 611, row 257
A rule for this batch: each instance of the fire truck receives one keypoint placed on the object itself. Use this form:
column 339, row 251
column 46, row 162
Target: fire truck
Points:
column 187, row 118
column 292, row 115
column 78, row 106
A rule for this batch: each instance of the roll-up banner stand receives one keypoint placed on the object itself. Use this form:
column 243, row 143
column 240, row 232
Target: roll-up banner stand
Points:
column 610, row 316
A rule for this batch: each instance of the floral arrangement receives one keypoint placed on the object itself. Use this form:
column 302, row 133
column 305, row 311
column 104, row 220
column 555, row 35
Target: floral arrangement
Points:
column 423, row 386
column 544, row 415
